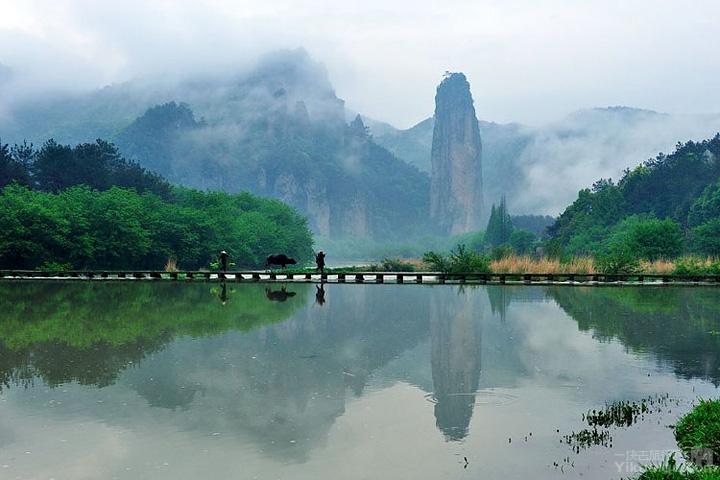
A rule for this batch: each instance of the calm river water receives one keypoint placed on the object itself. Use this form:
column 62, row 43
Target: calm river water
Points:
column 184, row 381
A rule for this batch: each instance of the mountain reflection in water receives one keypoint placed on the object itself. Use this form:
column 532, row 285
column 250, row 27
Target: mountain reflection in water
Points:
column 278, row 367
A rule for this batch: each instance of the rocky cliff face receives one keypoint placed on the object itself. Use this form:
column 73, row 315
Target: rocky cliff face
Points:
column 456, row 192
column 280, row 131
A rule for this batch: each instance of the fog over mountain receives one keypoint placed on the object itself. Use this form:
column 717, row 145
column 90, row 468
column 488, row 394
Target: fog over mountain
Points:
column 219, row 96
column 540, row 169
column 529, row 62
column 277, row 128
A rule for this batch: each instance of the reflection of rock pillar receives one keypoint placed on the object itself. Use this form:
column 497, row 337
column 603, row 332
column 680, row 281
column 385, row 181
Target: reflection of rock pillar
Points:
column 456, row 346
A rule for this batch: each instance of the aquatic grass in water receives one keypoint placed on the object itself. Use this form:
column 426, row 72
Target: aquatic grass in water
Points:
column 616, row 415
column 698, row 435
column 670, row 470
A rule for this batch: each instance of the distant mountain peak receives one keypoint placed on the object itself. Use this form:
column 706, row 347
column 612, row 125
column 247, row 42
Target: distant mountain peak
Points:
column 626, row 109
column 618, row 111
column 291, row 70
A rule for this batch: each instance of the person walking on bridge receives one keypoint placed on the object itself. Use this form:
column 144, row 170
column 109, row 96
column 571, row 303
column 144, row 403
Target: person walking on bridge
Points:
column 223, row 258
column 320, row 261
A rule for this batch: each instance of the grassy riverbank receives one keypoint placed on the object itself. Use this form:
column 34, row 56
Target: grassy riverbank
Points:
column 698, row 436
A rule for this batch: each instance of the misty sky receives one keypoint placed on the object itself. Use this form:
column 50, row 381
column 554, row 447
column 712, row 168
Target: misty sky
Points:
column 528, row 61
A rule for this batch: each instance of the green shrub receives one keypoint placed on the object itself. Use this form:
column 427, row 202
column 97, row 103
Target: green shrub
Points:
column 55, row 267
column 464, row 260
column 705, row 239
column 460, row 260
column 500, row 252
column 696, row 266
column 646, row 238
column 523, row 242
column 437, row 261
column 700, row 428
column 618, row 260
column 393, row 265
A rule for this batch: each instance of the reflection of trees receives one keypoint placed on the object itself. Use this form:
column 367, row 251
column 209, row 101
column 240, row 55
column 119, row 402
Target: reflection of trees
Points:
column 680, row 326
column 500, row 298
column 271, row 380
column 89, row 332
column 57, row 363
column 284, row 384
column 275, row 381
column 455, row 358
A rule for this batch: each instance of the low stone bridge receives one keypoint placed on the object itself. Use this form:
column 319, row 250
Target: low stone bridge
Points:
column 588, row 279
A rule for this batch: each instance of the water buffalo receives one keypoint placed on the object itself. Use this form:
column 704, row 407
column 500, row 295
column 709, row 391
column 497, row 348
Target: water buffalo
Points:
column 281, row 259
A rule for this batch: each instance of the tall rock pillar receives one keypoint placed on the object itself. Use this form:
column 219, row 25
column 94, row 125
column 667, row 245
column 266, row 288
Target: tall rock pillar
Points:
column 456, row 189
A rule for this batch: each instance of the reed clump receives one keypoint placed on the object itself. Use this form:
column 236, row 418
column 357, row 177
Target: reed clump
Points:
column 692, row 265
column 171, row 265
column 658, row 267
column 520, row 264
column 528, row 264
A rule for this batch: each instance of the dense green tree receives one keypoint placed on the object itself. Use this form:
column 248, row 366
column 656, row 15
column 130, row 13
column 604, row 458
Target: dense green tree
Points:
column 98, row 165
column 499, row 226
column 522, row 242
column 706, row 206
column 677, row 190
column 123, row 229
column 32, row 231
column 705, row 238
column 668, row 185
column 646, row 238
column 55, row 167
column 537, row 224
column 588, row 217
column 13, row 165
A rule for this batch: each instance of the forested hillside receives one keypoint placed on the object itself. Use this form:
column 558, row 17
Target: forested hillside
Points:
column 332, row 171
column 87, row 207
column 277, row 130
column 664, row 207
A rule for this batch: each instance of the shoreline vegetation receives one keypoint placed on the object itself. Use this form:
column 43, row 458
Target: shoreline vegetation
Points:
column 698, row 435
column 461, row 260
column 87, row 207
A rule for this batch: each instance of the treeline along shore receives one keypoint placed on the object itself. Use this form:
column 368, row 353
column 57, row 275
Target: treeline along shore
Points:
column 88, row 208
